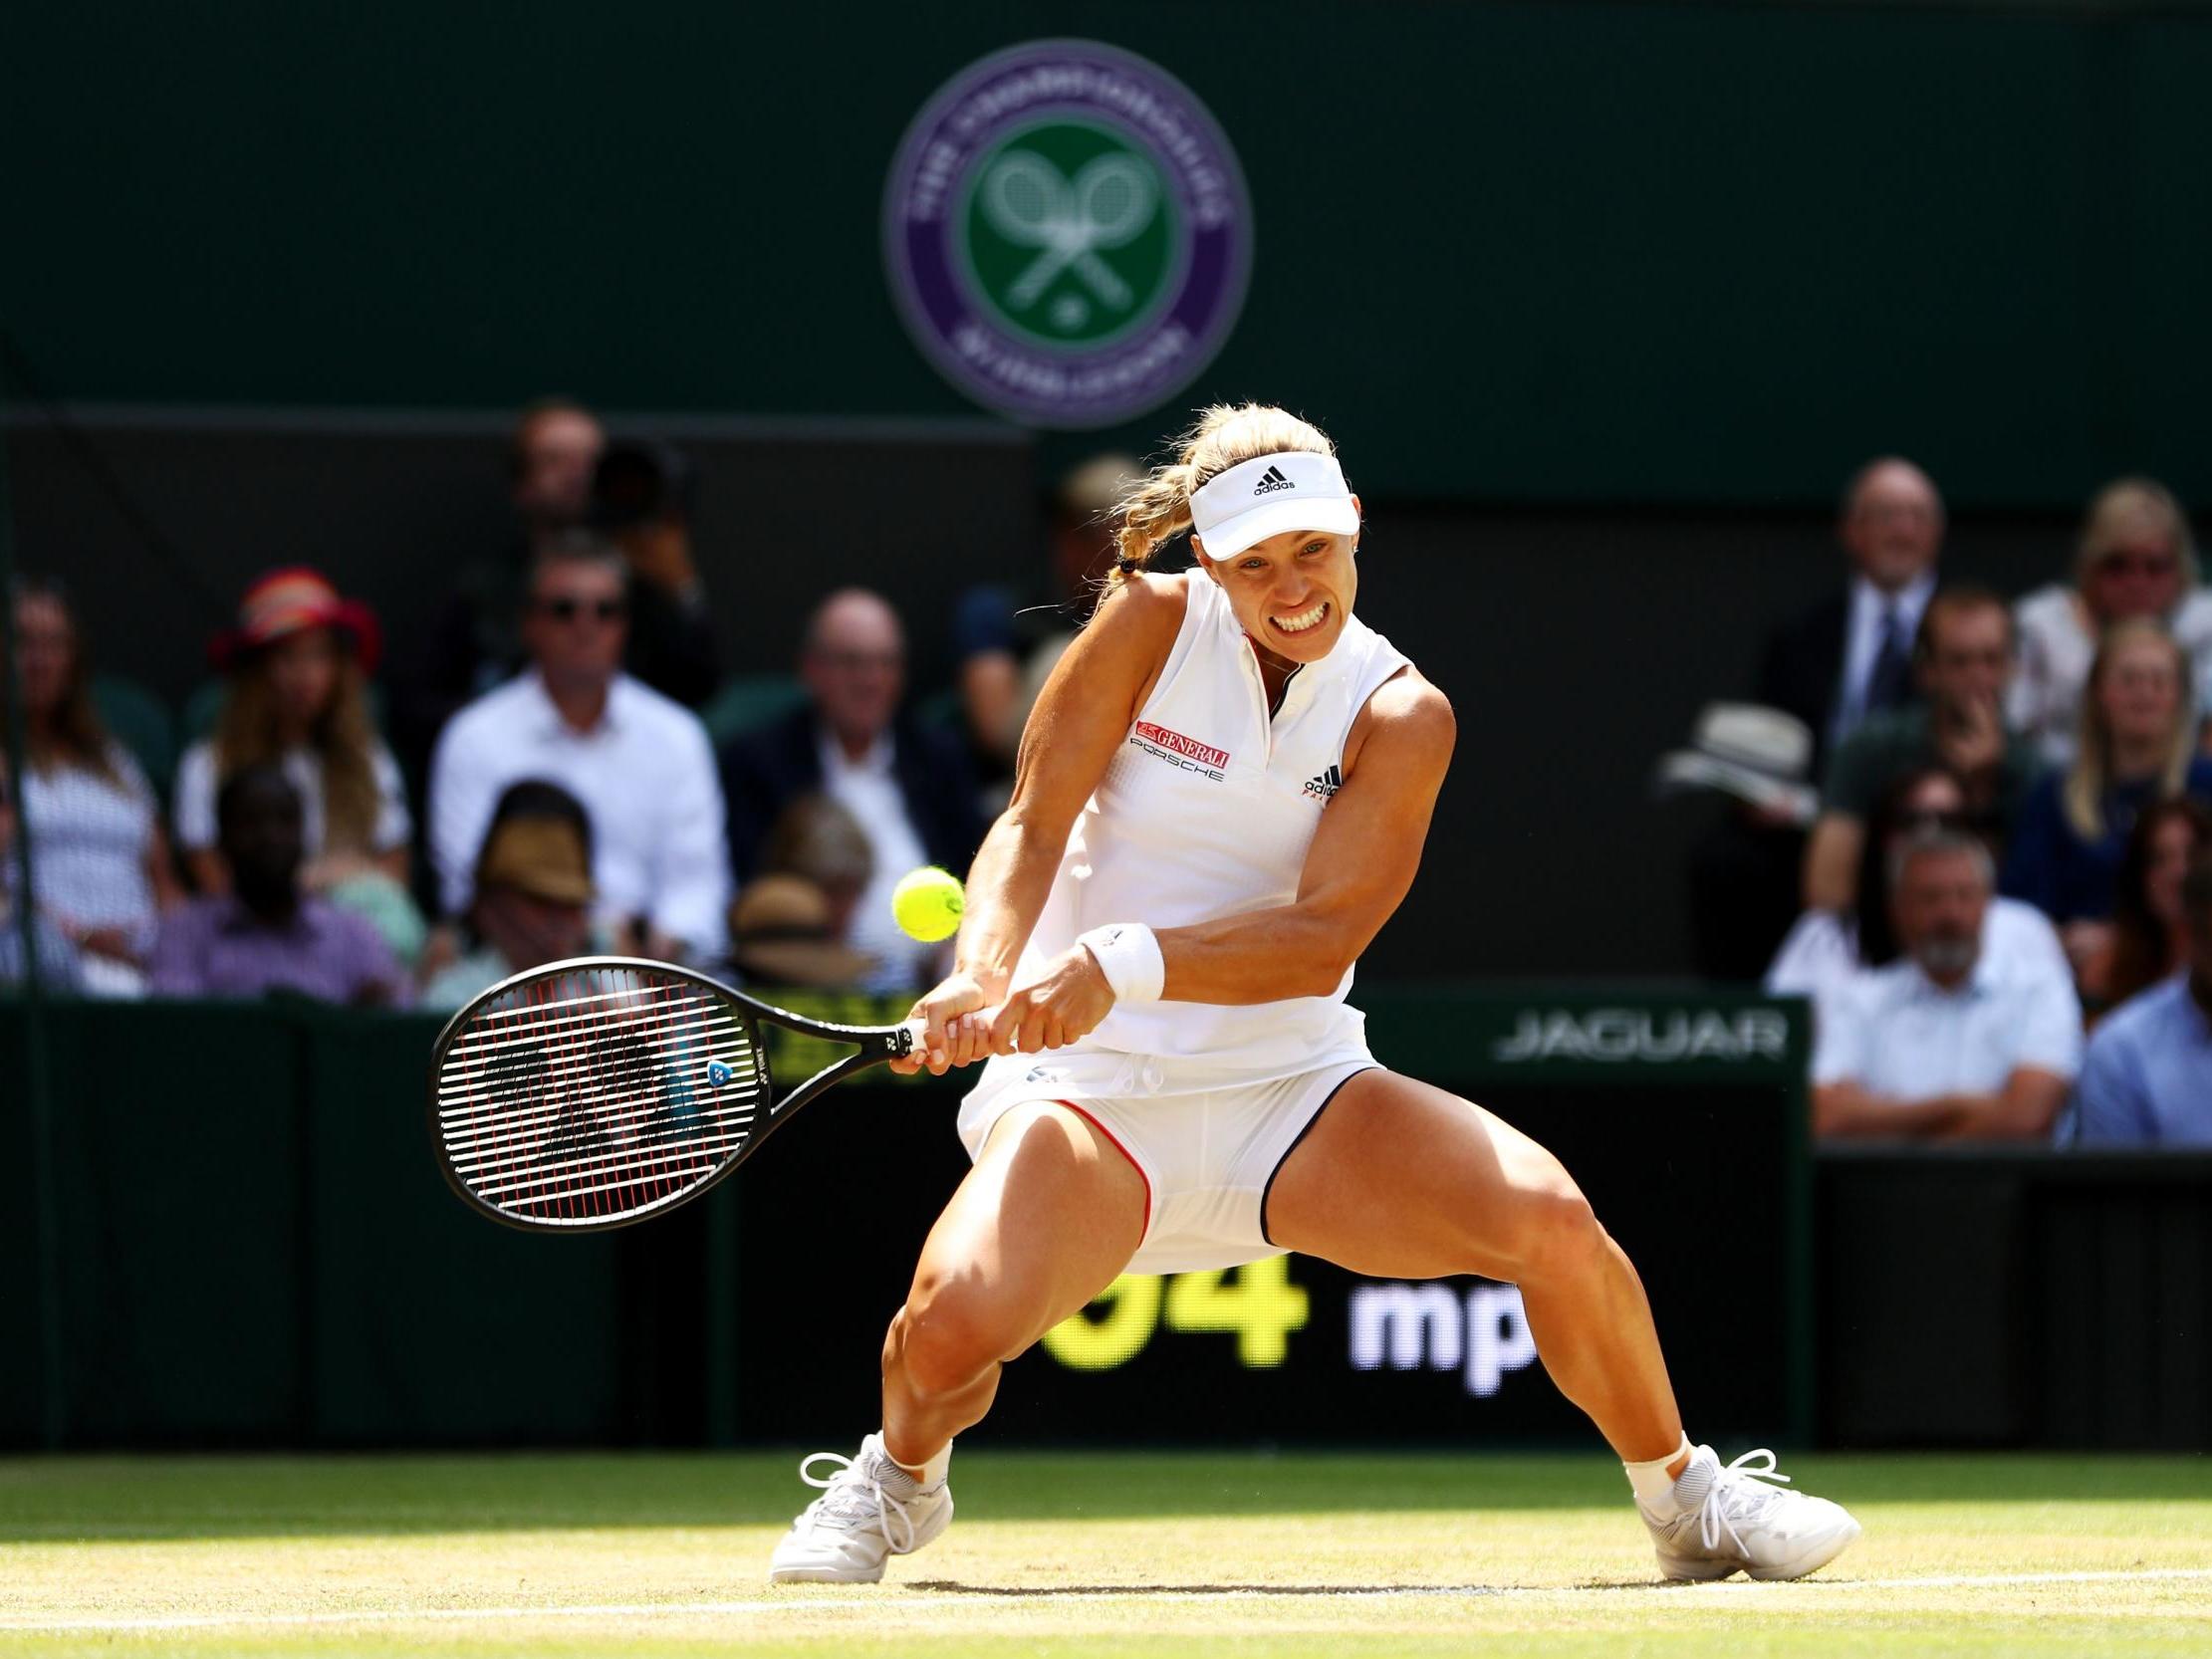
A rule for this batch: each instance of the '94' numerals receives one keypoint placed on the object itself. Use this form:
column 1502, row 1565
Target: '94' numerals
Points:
column 1256, row 1303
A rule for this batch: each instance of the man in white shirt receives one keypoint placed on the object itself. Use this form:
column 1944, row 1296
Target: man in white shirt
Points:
column 640, row 764
column 1945, row 1043
column 855, row 668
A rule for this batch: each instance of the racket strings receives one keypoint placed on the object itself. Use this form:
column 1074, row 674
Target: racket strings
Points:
column 519, row 1077
column 597, row 1094
column 496, row 1028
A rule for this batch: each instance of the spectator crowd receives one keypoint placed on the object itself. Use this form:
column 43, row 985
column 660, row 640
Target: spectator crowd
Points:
column 1999, row 899
column 574, row 798
column 1976, row 834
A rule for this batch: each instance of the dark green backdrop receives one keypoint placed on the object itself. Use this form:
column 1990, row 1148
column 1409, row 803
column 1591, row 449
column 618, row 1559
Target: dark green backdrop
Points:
column 1692, row 252
column 254, row 1246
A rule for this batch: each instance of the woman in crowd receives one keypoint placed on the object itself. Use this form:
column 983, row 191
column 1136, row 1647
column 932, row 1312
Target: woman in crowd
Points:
column 1826, row 947
column 57, row 964
column 2135, row 560
column 2137, row 745
column 100, row 863
column 2149, row 943
column 531, row 901
column 297, row 666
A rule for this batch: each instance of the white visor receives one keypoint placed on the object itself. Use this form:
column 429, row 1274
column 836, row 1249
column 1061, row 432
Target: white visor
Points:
column 1256, row 499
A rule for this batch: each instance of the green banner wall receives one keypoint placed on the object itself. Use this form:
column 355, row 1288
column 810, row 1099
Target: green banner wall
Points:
column 1662, row 252
column 258, row 1250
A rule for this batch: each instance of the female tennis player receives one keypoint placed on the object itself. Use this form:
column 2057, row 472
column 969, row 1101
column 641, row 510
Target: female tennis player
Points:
column 1221, row 796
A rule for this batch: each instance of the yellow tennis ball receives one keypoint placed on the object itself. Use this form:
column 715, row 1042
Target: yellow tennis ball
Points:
column 928, row 904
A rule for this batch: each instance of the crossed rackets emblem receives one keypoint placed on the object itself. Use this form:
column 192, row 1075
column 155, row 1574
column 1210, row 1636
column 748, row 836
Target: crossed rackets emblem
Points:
column 1033, row 204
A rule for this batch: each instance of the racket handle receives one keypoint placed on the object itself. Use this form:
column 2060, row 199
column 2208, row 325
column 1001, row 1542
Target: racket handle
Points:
column 916, row 1030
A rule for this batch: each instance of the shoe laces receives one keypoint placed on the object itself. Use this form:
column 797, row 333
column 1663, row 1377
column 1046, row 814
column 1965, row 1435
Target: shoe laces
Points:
column 852, row 1498
column 1735, row 1496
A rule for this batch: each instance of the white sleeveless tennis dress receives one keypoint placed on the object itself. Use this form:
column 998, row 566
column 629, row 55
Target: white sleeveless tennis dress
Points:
column 1206, row 810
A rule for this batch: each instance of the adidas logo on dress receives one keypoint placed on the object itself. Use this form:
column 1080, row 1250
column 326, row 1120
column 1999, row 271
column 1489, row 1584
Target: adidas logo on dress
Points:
column 1271, row 481
column 1327, row 783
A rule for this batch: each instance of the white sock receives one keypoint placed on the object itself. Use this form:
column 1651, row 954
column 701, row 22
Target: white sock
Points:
column 928, row 1476
column 1654, row 1487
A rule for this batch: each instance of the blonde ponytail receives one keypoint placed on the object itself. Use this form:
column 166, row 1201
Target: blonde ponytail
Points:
column 2083, row 793
column 1158, row 510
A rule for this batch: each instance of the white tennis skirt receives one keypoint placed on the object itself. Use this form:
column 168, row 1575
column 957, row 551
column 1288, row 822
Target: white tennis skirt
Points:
column 1207, row 1145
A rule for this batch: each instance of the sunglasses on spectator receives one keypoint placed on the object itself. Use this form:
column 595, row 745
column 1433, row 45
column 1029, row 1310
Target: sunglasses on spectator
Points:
column 566, row 610
column 2137, row 563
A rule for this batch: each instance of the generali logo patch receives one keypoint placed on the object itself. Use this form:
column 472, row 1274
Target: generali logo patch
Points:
column 1185, row 753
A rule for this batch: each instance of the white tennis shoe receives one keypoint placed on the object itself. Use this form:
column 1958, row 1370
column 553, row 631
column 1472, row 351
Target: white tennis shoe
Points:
column 1730, row 1518
column 869, row 1511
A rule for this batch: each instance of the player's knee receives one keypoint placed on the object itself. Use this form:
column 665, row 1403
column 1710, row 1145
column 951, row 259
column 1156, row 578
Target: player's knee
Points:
column 948, row 1334
column 1559, row 1232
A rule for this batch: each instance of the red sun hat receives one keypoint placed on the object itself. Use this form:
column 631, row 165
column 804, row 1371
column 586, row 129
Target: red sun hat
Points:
column 292, row 600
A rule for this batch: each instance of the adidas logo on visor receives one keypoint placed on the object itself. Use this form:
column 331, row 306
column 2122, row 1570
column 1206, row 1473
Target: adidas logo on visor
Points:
column 1271, row 481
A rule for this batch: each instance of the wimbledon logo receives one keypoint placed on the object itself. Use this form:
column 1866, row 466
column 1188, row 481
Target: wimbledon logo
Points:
column 1067, row 233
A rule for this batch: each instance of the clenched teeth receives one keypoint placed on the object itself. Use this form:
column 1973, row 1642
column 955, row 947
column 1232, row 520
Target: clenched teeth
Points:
column 1302, row 620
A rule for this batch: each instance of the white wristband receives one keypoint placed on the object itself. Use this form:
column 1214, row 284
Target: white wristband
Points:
column 1128, row 955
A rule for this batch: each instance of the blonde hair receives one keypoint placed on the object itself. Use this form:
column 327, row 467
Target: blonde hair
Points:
column 2092, row 765
column 1158, row 510
column 2124, row 503
column 341, row 734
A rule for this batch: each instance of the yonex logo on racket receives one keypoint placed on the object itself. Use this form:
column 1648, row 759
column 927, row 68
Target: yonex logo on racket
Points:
column 717, row 1074
column 1271, row 481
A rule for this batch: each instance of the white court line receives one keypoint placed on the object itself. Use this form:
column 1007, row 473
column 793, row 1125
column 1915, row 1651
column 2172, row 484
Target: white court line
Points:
column 915, row 1601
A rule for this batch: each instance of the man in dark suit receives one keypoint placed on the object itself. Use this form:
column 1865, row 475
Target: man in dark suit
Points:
column 909, row 788
column 1848, row 656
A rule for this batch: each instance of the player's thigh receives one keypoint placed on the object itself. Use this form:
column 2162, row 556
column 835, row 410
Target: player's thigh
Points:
column 1048, row 1217
column 1404, row 1180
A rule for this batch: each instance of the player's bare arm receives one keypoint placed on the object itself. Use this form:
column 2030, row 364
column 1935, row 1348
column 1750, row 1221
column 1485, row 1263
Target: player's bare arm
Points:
column 1079, row 720
column 1361, row 864
column 1356, row 873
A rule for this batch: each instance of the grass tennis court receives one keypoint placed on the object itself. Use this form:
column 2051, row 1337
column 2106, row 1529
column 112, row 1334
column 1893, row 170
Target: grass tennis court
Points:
column 1076, row 1555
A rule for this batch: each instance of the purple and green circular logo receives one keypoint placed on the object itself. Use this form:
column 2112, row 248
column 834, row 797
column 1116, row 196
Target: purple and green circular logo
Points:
column 1067, row 233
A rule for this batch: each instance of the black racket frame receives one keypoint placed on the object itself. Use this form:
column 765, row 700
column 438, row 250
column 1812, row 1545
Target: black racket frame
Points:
column 877, row 1043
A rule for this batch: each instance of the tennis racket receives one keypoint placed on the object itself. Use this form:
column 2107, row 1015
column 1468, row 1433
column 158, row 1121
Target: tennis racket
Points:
column 598, row 1091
